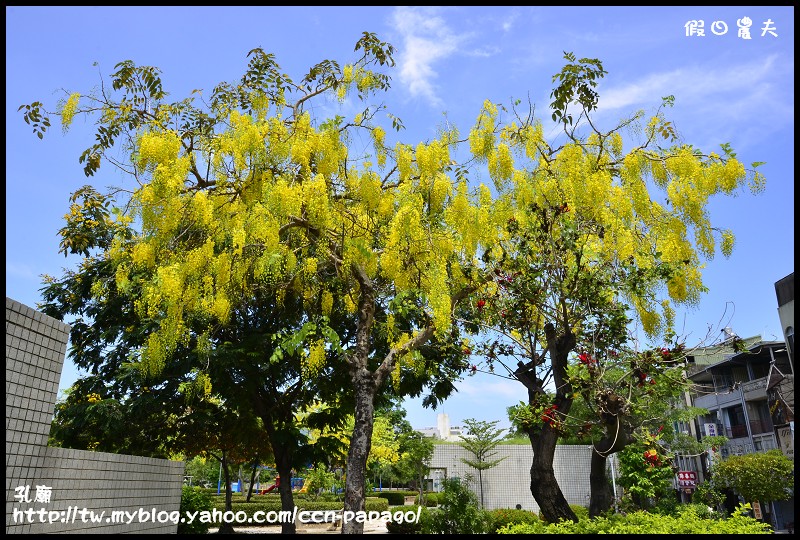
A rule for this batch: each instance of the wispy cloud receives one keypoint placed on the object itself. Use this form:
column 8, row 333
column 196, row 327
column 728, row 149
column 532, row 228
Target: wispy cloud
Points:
column 427, row 39
column 692, row 84
column 739, row 99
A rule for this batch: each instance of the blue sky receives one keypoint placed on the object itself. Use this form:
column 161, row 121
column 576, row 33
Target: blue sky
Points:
column 449, row 59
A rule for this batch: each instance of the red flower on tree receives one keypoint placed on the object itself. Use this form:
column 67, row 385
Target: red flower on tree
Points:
column 549, row 416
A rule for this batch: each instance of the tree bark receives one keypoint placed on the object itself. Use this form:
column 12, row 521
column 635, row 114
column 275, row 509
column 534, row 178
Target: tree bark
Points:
column 360, row 445
column 283, row 463
column 544, row 486
column 252, row 481
column 227, row 528
column 602, row 496
column 618, row 436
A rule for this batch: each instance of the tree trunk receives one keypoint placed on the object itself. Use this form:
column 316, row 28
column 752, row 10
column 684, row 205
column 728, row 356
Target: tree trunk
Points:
column 227, row 528
column 618, row 435
column 544, row 486
column 602, row 494
column 480, row 481
column 283, row 463
column 360, row 444
column 252, row 481
column 278, row 418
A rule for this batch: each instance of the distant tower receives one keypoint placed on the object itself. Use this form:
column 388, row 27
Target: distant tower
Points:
column 443, row 423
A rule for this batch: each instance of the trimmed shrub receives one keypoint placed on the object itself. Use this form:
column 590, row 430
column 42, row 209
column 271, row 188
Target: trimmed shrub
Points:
column 395, row 498
column 496, row 519
column 431, row 499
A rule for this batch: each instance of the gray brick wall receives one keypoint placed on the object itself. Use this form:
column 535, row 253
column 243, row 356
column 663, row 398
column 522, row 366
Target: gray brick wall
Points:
column 508, row 483
column 96, row 481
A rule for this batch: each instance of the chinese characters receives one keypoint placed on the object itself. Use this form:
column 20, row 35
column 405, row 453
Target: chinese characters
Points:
column 696, row 28
column 43, row 494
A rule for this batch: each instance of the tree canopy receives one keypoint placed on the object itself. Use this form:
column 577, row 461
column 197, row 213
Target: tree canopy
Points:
column 386, row 257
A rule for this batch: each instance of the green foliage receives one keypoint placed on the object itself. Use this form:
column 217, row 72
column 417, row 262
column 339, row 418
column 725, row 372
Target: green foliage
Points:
column 194, row 500
column 577, row 83
column 416, row 452
column 581, row 512
column 767, row 476
column 320, row 479
column 202, row 470
column 691, row 519
column 646, row 472
column 459, row 512
column 423, row 526
column 502, row 517
column 33, row 117
column 709, row 494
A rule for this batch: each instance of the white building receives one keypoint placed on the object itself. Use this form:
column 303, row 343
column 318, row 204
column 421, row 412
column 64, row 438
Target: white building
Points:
column 443, row 431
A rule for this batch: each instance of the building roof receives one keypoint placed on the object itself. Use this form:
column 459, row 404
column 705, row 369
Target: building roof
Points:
column 741, row 358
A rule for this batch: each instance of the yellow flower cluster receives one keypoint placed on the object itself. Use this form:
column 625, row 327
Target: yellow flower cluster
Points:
column 315, row 360
column 68, row 111
column 315, row 197
column 156, row 148
column 501, row 165
column 143, row 254
column 728, row 241
column 326, row 303
column 482, row 137
column 378, row 140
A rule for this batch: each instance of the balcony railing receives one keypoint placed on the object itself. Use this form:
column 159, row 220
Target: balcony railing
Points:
column 736, row 432
column 754, row 385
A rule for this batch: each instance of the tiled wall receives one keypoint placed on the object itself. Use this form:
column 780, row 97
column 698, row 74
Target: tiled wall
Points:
column 508, row 483
column 77, row 479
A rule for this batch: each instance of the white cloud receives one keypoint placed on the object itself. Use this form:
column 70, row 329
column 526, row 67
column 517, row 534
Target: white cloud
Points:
column 426, row 40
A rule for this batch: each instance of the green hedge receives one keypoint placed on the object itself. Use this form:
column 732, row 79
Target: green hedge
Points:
column 689, row 520
column 431, row 499
column 395, row 498
column 497, row 519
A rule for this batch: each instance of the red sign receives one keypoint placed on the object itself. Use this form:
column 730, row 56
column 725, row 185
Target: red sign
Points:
column 687, row 479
